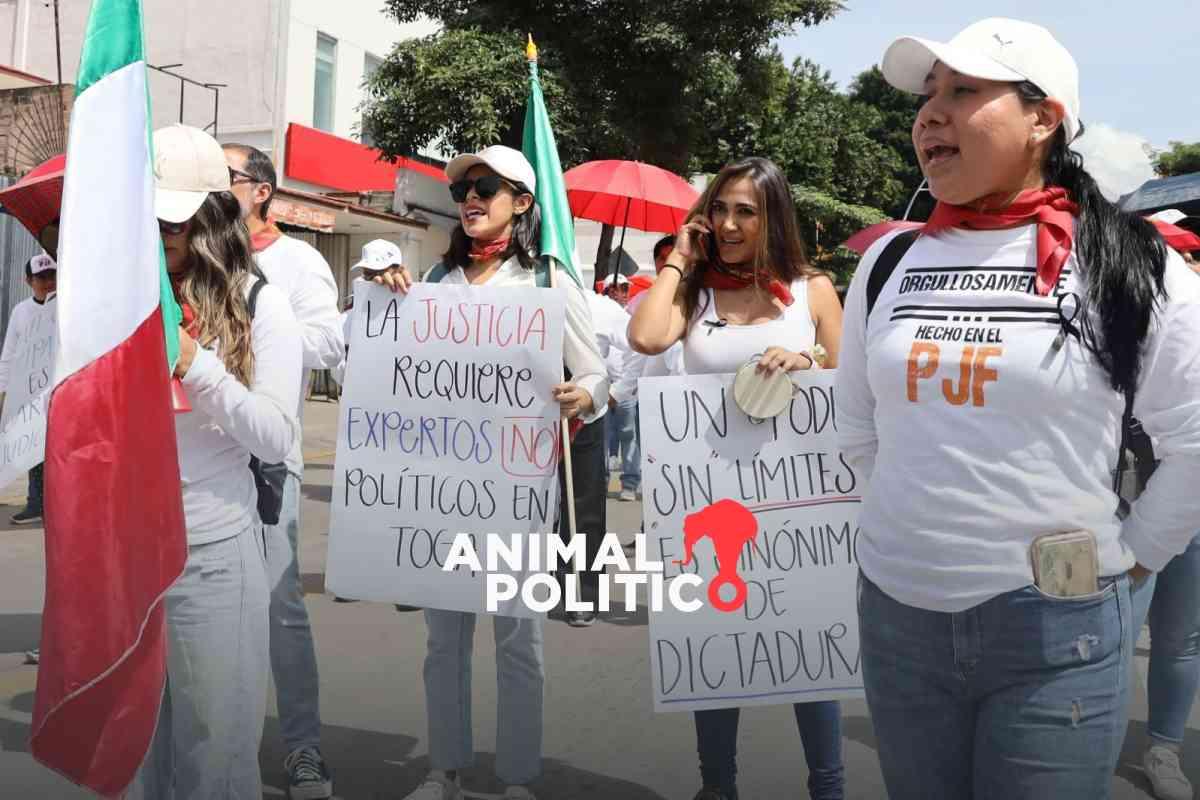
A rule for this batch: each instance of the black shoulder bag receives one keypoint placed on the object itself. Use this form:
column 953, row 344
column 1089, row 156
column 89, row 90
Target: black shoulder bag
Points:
column 268, row 478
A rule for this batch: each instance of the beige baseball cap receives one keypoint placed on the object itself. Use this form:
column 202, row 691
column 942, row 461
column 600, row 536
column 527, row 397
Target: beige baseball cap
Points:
column 504, row 161
column 995, row 49
column 188, row 166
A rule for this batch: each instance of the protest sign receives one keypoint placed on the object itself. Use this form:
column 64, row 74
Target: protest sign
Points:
column 769, row 514
column 447, row 425
column 23, row 423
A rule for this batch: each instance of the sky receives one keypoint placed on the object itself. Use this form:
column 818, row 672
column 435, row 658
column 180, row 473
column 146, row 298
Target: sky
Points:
column 1137, row 71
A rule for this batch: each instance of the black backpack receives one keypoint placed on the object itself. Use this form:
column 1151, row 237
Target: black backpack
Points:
column 268, row 478
column 1135, row 459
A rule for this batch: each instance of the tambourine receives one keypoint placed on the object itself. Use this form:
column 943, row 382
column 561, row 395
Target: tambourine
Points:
column 762, row 395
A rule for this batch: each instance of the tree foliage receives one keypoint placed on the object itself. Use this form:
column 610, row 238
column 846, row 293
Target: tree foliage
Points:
column 1181, row 159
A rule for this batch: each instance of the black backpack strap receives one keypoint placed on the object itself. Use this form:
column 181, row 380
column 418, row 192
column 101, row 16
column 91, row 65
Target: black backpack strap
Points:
column 886, row 264
column 436, row 274
column 1126, row 423
column 252, row 300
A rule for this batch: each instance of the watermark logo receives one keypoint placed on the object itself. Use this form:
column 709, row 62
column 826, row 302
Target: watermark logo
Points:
column 731, row 526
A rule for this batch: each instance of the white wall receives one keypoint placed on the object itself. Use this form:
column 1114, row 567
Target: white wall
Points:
column 360, row 27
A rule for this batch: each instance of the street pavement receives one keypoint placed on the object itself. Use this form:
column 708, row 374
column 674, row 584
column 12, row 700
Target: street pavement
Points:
column 602, row 741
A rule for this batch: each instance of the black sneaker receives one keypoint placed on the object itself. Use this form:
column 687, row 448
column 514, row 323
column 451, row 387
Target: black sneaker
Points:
column 581, row 619
column 709, row 793
column 26, row 516
column 33, row 656
column 308, row 778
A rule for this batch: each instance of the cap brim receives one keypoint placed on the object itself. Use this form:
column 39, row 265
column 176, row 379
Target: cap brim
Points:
column 458, row 167
column 171, row 205
column 908, row 61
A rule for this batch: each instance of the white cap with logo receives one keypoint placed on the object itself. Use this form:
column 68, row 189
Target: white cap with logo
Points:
column 188, row 166
column 379, row 254
column 42, row 262
column 994, row 49
column 504, row 161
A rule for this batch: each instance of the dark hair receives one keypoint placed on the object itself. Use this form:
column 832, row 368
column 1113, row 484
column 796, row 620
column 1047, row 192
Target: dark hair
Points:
column 781, row 253
column 29, row 267
column 1123, row 255
column 524, row 244
column 666, row 241
column 258, row 166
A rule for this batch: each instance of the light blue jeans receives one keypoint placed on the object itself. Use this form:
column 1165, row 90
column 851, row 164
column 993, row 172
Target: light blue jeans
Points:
column 211, row 721
column 520, row 676
column 293, row 657
column 625, row 421
column 1019, row 698
column 1171, row 599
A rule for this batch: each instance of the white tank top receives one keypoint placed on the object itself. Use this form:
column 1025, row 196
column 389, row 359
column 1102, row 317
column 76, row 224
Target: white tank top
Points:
column 715, row 348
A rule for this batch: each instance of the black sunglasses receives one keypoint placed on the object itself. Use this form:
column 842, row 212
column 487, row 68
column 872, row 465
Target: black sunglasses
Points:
column 246, row 177
column 485, row 187
column 171, row 228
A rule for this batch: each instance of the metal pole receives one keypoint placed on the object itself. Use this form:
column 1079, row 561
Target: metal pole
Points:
column 57, row 43
column 621, row 247
column 182, row 86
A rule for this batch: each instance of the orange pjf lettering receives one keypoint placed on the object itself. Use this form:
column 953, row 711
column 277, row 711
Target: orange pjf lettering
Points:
column 956, row 397
column 983, row 373
column 918, row 372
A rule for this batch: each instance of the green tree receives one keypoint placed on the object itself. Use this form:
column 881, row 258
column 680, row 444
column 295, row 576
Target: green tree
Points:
column 891, row 128
column 1181, row 159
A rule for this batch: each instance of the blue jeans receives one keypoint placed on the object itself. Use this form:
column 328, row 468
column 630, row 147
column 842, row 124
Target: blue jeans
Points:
column 37, row 488
column 211, row 721
column 623, row 425
column 1172, row 601
column 293, row 657
column 1019, row 698
column 520, row 676
column 820, row 727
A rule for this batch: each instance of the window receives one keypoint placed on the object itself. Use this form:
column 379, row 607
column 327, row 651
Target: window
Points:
column 323, row 82
column 370, row 64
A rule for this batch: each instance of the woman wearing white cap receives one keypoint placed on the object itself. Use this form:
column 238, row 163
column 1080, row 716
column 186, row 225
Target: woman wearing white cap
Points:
column 985, row 372
column 495, row 245
column 241, row 372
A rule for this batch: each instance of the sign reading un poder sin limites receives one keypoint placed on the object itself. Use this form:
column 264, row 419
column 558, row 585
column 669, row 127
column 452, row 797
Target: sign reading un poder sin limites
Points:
column 447, row 425
column 766, row 514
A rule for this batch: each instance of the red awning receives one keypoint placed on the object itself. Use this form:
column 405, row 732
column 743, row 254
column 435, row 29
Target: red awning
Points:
column 321, row 158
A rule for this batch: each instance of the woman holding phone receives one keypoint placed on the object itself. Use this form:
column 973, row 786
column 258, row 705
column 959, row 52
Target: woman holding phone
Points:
column 736, row 288
column 982, row 388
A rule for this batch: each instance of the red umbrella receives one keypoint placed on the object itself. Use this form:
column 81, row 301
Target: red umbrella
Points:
column 860, row 241
column 630, row 194
column 36, row 199
column 1181, row 239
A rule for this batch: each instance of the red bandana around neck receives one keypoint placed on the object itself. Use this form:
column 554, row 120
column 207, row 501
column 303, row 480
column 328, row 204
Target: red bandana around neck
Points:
column 266, row 237
column 726, row 278
column 189, row 323
column 485, row 251
column 1053, row 211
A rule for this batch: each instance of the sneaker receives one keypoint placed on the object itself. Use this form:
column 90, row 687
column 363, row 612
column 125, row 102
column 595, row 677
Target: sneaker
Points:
column 436, row 786
column 614, row 463
column 709, row 793
column 518, row 793
column 581, row 619
column 1166, row 776
column 26, row 516
column 308, row 778
column 33, row 656
column 627, row 496
column 403, row 609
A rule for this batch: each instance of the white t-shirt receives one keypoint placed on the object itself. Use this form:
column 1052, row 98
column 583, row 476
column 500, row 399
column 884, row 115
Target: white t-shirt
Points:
column 301, row 272
column 229, row 423
column 982, row 439
column 610, row 322
column 713, row 347
column 18, row 324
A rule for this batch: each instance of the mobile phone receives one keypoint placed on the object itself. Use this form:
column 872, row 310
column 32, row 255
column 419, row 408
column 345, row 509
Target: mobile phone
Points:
column 1066, row 564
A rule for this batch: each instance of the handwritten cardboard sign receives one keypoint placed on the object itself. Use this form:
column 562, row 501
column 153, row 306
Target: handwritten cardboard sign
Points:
column 769, row 513
column 23, row 423
column 447, row 425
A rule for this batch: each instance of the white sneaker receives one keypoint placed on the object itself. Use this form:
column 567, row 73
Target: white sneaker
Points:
column 614, row 463
column 436, row 786
column 518, row 793
column 627, row 496
column 1165, row 774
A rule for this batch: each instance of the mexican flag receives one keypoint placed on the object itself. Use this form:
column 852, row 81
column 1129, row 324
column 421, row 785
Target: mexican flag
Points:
column 115, row 536
column 558, row 226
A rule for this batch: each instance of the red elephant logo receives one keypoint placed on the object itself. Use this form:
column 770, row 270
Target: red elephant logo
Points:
column 730, row 525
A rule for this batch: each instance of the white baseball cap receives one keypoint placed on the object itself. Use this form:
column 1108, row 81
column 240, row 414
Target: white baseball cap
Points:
column 504, row 161
column 188, row 166
column 379, row 254
column 621, row 280
column 994, row 49
column 1171, row 216
column 42, row 262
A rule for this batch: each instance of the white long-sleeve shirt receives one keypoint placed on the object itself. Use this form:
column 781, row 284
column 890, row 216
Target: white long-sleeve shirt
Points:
column 230, row 422
column 18, row 325
column 978, row 438
column 609, row 321
column 581, row 354
column 303, row 275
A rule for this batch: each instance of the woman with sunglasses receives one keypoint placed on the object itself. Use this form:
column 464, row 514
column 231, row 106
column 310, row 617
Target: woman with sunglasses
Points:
column 982, row 388
column 495, row 245
column 738, row 288
column 240, row 371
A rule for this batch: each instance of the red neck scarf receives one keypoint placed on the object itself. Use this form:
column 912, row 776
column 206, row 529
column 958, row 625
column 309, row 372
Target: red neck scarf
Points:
column 266, row 237
column 190, row 323
column 725, row 278
column 1051, row 209
column 486, row 251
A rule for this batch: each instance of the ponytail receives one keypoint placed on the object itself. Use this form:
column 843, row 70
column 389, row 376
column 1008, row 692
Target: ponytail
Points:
column 1124, row 259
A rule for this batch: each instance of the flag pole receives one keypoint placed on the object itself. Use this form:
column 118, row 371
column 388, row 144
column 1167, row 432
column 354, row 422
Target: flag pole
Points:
column 564, row 430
